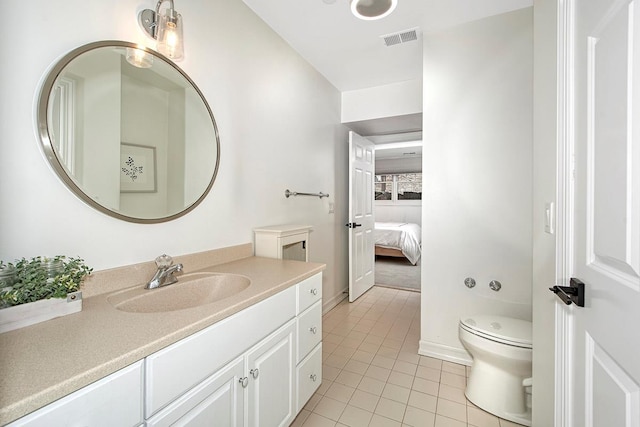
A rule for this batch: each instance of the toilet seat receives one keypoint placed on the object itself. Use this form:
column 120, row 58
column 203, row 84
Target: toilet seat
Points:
column 505, row 330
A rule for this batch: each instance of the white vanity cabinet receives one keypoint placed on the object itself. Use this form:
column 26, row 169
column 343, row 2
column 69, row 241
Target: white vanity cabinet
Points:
column 115, row 400
column 242, row 393
column 192, row 381
column 176, row 369
column 257, row 367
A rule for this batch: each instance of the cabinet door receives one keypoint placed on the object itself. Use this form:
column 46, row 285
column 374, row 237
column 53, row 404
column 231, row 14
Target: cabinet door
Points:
column 217, row 401
column 94, row 404
column 271, row 369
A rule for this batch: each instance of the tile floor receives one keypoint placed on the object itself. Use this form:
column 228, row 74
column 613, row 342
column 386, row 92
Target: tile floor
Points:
column 373, row 375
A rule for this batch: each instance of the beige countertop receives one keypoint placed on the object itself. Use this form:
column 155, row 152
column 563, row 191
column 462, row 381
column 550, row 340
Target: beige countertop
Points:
column 44, row 362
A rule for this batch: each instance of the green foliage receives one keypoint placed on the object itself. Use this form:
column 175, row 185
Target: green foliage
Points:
column 32, row 281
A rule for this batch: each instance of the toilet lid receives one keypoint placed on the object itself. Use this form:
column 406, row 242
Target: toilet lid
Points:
column 498, row 328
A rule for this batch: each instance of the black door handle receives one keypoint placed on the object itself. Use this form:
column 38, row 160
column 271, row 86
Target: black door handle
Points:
column 352, row 225
column 572, row 294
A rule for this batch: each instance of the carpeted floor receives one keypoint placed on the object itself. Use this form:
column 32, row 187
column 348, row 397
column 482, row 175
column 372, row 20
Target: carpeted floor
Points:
column 397, row 273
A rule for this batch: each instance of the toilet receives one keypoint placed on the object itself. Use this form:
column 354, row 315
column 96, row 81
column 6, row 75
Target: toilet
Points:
column 501, row 371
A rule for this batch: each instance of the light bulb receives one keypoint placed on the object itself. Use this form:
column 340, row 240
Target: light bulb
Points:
column 139, row 58
column 170, row 35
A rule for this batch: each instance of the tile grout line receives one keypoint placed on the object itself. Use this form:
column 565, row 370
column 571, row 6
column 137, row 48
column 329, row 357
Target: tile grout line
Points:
column 390, row 317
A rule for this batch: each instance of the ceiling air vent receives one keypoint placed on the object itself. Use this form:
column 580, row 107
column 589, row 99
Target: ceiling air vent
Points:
column 399, row 37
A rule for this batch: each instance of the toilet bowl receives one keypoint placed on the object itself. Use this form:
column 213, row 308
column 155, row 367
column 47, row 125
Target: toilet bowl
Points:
column 501, row 350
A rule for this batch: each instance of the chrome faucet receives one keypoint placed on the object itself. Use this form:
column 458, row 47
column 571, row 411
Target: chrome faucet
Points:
column 164, row 275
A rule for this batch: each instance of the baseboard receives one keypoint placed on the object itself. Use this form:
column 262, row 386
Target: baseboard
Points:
column 445, row 352
column 329, row 304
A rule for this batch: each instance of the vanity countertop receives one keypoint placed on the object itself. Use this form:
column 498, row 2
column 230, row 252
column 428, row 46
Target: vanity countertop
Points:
column 44, row 362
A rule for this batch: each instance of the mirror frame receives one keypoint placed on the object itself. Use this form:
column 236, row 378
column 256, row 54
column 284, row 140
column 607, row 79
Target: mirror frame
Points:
column 51, row 155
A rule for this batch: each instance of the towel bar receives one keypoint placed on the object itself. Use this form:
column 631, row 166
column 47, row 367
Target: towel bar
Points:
column 288, row 193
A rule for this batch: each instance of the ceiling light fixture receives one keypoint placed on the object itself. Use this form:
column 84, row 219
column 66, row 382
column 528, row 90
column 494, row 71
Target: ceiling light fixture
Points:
column 166, row 28
column 370, row 10
column 392, row 145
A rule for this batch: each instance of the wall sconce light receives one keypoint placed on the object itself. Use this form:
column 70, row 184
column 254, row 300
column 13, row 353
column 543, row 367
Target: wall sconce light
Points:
column 166, row 28
column 370, row 10
column 139, row 58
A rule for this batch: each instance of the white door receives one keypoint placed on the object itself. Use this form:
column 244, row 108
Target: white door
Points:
column 606, row 256
column 361, row 222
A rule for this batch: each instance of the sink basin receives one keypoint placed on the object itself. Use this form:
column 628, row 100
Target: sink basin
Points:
column 191, row 290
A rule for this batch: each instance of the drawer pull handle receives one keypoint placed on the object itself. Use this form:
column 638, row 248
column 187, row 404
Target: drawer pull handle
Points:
column 244, row 381
column 313, row 330
column 313, row 377
column 254, row 373
column 313, row 291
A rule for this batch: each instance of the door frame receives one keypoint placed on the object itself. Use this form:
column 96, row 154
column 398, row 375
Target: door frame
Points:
column 565, row 172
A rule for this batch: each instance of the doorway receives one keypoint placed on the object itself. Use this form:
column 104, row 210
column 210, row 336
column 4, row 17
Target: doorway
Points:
column 398, row 211
column 394, row 198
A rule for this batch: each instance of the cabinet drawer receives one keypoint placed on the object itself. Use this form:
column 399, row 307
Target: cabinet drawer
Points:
column 309, row 291
column 115, row 400
column 309, row 376
column 309, row 329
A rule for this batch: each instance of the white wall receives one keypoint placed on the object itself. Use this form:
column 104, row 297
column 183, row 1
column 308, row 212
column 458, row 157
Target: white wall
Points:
column 100, row 85
column 396, row 99
column 279, row 123
column 195, row 170
column 544, row 190
column 399, row 213
column 178, row 174
column 477, row 166
column 140, row 126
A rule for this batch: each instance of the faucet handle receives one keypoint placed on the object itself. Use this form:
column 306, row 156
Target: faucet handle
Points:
column 164, row 261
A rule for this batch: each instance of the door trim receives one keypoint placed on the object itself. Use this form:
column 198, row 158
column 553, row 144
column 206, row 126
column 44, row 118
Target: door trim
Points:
column 565, row 177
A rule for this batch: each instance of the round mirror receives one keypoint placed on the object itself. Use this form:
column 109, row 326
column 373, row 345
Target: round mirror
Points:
column 128, row 131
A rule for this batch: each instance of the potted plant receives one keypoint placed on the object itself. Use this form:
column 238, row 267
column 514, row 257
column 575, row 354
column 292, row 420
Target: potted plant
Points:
column 38, row 289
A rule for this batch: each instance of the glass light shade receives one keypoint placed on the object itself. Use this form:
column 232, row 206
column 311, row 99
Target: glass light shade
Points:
column 370, row 10
column 139, row 58
column 169, row 35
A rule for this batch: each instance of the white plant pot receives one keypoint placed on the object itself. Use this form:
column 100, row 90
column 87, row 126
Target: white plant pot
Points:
column 31, row 313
